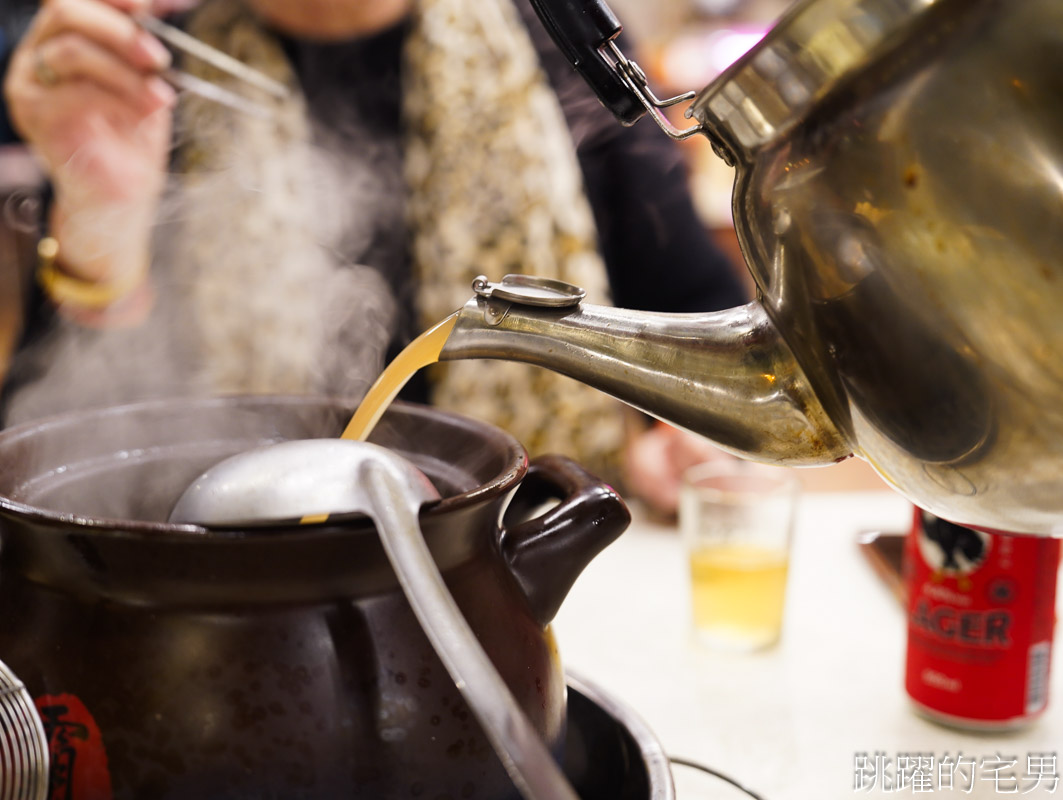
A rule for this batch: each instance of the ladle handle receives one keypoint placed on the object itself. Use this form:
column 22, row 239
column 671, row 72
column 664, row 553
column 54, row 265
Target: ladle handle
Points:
column 522, row 752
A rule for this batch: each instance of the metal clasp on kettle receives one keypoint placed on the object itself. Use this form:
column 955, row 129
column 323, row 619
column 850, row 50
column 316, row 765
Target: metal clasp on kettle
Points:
column 524, row 290
column 585, row 31
column 636, row 81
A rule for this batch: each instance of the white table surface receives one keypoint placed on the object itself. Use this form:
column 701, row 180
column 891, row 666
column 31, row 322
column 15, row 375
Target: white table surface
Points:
column 787, row 722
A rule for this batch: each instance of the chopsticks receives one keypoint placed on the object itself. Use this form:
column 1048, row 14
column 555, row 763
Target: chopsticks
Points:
column 211, row 91
column 183, row 42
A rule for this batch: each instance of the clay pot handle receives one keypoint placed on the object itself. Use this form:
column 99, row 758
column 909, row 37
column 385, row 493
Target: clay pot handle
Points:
column 547, row 552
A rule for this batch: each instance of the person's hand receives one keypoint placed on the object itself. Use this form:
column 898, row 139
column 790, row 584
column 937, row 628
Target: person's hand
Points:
column 83, row 90
column 655, row 460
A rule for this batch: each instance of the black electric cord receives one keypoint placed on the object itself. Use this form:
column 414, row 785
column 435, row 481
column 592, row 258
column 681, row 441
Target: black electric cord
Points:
column 683, row 762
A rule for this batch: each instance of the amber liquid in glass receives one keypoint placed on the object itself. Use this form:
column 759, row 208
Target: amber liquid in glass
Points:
column 739, row 593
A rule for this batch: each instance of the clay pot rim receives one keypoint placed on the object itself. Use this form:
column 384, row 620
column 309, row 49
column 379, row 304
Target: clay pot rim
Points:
column 515, row 457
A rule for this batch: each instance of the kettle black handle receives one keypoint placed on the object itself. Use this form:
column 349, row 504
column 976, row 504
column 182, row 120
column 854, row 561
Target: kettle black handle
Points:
column 580, row 29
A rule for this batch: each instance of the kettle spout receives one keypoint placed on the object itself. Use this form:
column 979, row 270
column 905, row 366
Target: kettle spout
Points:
column 727, row 375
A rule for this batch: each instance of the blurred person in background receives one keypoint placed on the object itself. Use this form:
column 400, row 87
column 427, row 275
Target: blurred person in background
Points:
column 198, row 249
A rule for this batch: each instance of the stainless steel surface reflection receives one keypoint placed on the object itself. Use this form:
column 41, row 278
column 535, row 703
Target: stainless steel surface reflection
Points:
column 899, row 201
column 24, row 753
column 903, row 218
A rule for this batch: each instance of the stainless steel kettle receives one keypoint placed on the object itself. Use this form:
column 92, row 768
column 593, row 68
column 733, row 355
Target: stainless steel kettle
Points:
column 899, row 201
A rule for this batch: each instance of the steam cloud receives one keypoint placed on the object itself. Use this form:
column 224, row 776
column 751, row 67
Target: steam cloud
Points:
column 275, row 270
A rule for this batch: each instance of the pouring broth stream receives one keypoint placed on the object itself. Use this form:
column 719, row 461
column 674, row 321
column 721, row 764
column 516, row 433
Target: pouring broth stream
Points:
column 421, row 352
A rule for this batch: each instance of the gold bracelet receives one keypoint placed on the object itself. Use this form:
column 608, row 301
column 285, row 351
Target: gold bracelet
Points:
column 65, row 289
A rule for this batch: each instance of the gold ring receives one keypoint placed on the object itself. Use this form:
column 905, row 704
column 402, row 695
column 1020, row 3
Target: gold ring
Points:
column 46, row 76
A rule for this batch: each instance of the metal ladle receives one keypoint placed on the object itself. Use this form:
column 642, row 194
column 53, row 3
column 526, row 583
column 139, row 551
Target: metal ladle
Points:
column 309, row 477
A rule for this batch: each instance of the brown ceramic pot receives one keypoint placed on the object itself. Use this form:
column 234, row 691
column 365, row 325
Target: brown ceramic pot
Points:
column 280, row 661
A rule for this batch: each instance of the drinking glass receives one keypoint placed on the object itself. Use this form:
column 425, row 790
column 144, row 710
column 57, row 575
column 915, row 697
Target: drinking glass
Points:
column 737, row 519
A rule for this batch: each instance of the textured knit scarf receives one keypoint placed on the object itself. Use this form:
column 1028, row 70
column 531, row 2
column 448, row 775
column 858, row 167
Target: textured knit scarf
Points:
column 492, row 186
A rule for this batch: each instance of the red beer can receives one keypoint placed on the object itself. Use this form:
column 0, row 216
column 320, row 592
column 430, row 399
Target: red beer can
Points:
column 981, row 614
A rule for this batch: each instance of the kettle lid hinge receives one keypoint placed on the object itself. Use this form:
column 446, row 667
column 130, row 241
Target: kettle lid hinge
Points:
column 631, row 73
